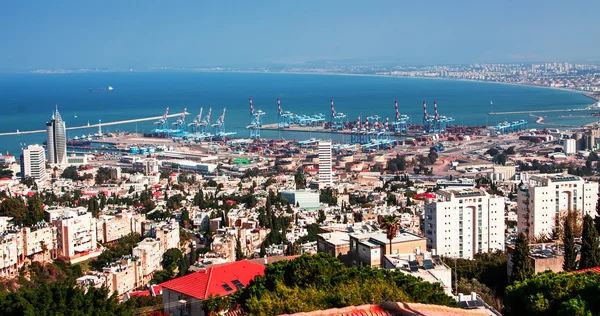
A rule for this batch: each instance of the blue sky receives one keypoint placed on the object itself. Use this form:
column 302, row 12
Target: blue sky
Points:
column 69, row 34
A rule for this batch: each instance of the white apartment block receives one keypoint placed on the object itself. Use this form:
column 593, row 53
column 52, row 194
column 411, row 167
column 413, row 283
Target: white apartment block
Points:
column 166, row 232
column 115, row 227
column 545, row 198
column 11, row 249
column 75, row 235
column 460, row 224
column 325, row 165
column 33, row 163
column 39, row 242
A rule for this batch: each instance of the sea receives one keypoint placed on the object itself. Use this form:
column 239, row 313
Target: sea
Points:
column 28, row 100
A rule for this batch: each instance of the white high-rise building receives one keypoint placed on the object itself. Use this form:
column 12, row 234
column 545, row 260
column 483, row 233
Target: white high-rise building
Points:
column 325, row 165
column 461, row 223
column 546, row 198
column 33, row 163
column 56, row 140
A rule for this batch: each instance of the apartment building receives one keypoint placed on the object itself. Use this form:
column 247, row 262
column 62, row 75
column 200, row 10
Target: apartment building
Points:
column 325, row 165
column 114, row 227
column 545, row 198
column 427, row 266
column 461, row 223
column 121, row 276
column 336, row 244
column 165, row 232
column 33, row 163
column 75, row 235
column 149, row 253
column 11, row 249
column 39, row 242
column 369, row 249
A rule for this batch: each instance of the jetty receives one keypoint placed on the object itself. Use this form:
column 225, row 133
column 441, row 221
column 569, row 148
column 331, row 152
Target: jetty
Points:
column 144, row 119
column 544, row 111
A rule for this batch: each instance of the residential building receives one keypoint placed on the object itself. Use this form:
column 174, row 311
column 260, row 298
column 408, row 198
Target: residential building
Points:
column 427, row 266
column 33, row 163
column 543, row 257
column 75, row 235
column 11, row 248
column 303, row 198
column 150, row 166
column 121, row 276
column 114, row 227
column 56, row 140
column 166, row 232
column 369, row 249
column 183, row 296
column 336, row 244
column 149, row 253
column 325, row 165
column 546, row 198
column 39, row 242
column 461, row 223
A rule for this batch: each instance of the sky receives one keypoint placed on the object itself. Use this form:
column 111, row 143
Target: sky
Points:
column 140, row 34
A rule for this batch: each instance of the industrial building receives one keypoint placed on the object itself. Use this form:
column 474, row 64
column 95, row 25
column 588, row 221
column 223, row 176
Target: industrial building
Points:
column 303, row 198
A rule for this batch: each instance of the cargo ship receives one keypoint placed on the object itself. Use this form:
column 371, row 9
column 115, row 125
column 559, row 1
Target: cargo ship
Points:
column 101, row 89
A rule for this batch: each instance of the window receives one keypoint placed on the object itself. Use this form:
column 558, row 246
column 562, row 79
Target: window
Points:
column 227, row 287
column 237, row 283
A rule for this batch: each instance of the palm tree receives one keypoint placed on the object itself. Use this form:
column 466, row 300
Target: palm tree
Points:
column 391, row 225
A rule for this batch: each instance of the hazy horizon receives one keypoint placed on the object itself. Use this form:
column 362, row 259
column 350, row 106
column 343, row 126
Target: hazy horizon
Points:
column 115, row 34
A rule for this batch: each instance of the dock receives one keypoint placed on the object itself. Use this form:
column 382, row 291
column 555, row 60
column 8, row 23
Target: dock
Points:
column 543, row 111
column 144, row 119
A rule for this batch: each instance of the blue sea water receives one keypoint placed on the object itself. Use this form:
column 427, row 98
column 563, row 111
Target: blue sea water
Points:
column 27, row 100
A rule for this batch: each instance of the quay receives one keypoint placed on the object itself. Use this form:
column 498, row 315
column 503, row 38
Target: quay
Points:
column 94, row 125
column 544, row 111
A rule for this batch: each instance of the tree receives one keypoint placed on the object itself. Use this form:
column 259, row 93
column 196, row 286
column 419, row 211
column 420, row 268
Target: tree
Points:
column 391, row 225
column 590, row 256
column 239, row 255
column 185, row 218
column 13, row 207
column 310, row 283
column 521, row 264
column 171, row 258
column 263, row 250
column 570, row 257
column 554, row 294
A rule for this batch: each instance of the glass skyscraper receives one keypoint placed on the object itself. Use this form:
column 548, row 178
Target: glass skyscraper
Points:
column 56, row 143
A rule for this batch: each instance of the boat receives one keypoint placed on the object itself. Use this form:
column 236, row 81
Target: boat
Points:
column 110, row 88
column 75, row 115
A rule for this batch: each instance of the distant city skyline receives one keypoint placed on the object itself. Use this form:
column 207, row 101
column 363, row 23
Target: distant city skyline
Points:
column 116, row 34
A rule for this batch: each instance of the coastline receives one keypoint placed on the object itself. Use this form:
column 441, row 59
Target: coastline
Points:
column 590, row 95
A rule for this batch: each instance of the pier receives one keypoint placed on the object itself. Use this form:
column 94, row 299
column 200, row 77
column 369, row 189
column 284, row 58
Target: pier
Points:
column 590, row 108
column 154, row 118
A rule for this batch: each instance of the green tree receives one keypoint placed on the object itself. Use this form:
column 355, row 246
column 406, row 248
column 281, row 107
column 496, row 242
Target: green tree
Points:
column 263, row 251
column 554, row 294
column 239, row 255
column 391, row 225
column 570, row 257
column 521, row 264
column 171, row 258
column 590, row 256
column 15, row 208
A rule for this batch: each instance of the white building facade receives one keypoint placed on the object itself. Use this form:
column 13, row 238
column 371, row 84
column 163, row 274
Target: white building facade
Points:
column 56, row 140
column 546, row 198
column 325, row 165
column 460, row 224
column 33, row 163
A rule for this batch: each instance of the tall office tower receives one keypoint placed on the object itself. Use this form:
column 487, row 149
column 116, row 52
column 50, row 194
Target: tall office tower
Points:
column 547, row 198
column 33, row 163
column 461, row 223
column 325, row 165
column 56, row 140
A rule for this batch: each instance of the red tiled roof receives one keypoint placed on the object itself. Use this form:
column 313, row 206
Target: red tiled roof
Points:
column 5, row 179
column 425, row 195
column 209, row 282
column 391, row 308
column 156, row 290
column 139, row 293
column 30, row 194
column 594, row 269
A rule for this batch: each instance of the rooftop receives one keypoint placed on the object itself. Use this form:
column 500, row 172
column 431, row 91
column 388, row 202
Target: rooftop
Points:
column 216, row 280
column 392, row 308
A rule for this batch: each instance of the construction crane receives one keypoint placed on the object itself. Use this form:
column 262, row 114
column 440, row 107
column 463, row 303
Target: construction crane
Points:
column 337, row 119
column 219, row 125
column 283, row 118
column 255, row 121
column 204, row 125
column 181, row 120
column 162, row 122
column 196, row 122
